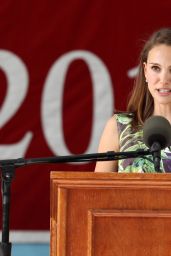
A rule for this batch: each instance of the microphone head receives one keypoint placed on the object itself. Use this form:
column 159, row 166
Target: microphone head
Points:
column 157, row 129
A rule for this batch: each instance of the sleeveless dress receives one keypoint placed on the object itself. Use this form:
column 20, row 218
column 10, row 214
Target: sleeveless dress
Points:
column 133, row 140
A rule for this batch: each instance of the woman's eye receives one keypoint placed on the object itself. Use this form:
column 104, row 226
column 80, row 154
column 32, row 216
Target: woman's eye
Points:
column 155, row 68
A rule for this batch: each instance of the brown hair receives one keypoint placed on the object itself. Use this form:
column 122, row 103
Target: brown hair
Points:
column 141, row 102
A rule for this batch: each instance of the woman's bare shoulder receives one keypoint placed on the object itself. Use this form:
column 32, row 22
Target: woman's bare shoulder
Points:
column 109, row 142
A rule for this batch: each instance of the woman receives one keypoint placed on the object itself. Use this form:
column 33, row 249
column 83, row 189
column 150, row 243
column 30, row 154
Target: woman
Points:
column 151, row 96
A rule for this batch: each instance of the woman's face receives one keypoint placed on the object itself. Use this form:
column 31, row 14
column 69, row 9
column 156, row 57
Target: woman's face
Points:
column 157, row 72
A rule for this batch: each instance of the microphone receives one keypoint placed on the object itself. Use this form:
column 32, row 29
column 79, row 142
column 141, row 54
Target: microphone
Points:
column 157, row 136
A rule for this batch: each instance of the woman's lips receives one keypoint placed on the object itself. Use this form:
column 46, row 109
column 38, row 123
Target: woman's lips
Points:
column 164, row 91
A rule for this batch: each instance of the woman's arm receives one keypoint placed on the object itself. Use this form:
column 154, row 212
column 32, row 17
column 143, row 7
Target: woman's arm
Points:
column 109, row 142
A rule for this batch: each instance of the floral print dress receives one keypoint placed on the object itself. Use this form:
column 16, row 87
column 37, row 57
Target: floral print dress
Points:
column 133, row 140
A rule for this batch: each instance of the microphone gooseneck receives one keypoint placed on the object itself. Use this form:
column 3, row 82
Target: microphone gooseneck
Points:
column 157, row 136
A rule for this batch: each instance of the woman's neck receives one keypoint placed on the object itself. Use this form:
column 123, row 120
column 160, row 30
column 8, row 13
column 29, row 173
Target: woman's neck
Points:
column 163, row 110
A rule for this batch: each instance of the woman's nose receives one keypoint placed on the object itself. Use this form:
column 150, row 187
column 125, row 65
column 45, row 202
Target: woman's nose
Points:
column 165, row 77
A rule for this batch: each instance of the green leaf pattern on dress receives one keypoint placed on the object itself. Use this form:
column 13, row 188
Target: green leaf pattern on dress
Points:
column 131, row 141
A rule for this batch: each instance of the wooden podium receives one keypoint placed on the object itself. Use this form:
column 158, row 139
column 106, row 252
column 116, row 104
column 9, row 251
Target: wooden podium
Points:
column 110, row 214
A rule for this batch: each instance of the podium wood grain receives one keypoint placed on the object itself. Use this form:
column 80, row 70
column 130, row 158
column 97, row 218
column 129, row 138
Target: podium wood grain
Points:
column 110, row 214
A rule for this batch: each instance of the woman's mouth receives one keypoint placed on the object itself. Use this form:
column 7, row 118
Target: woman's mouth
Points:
column 164, row 91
